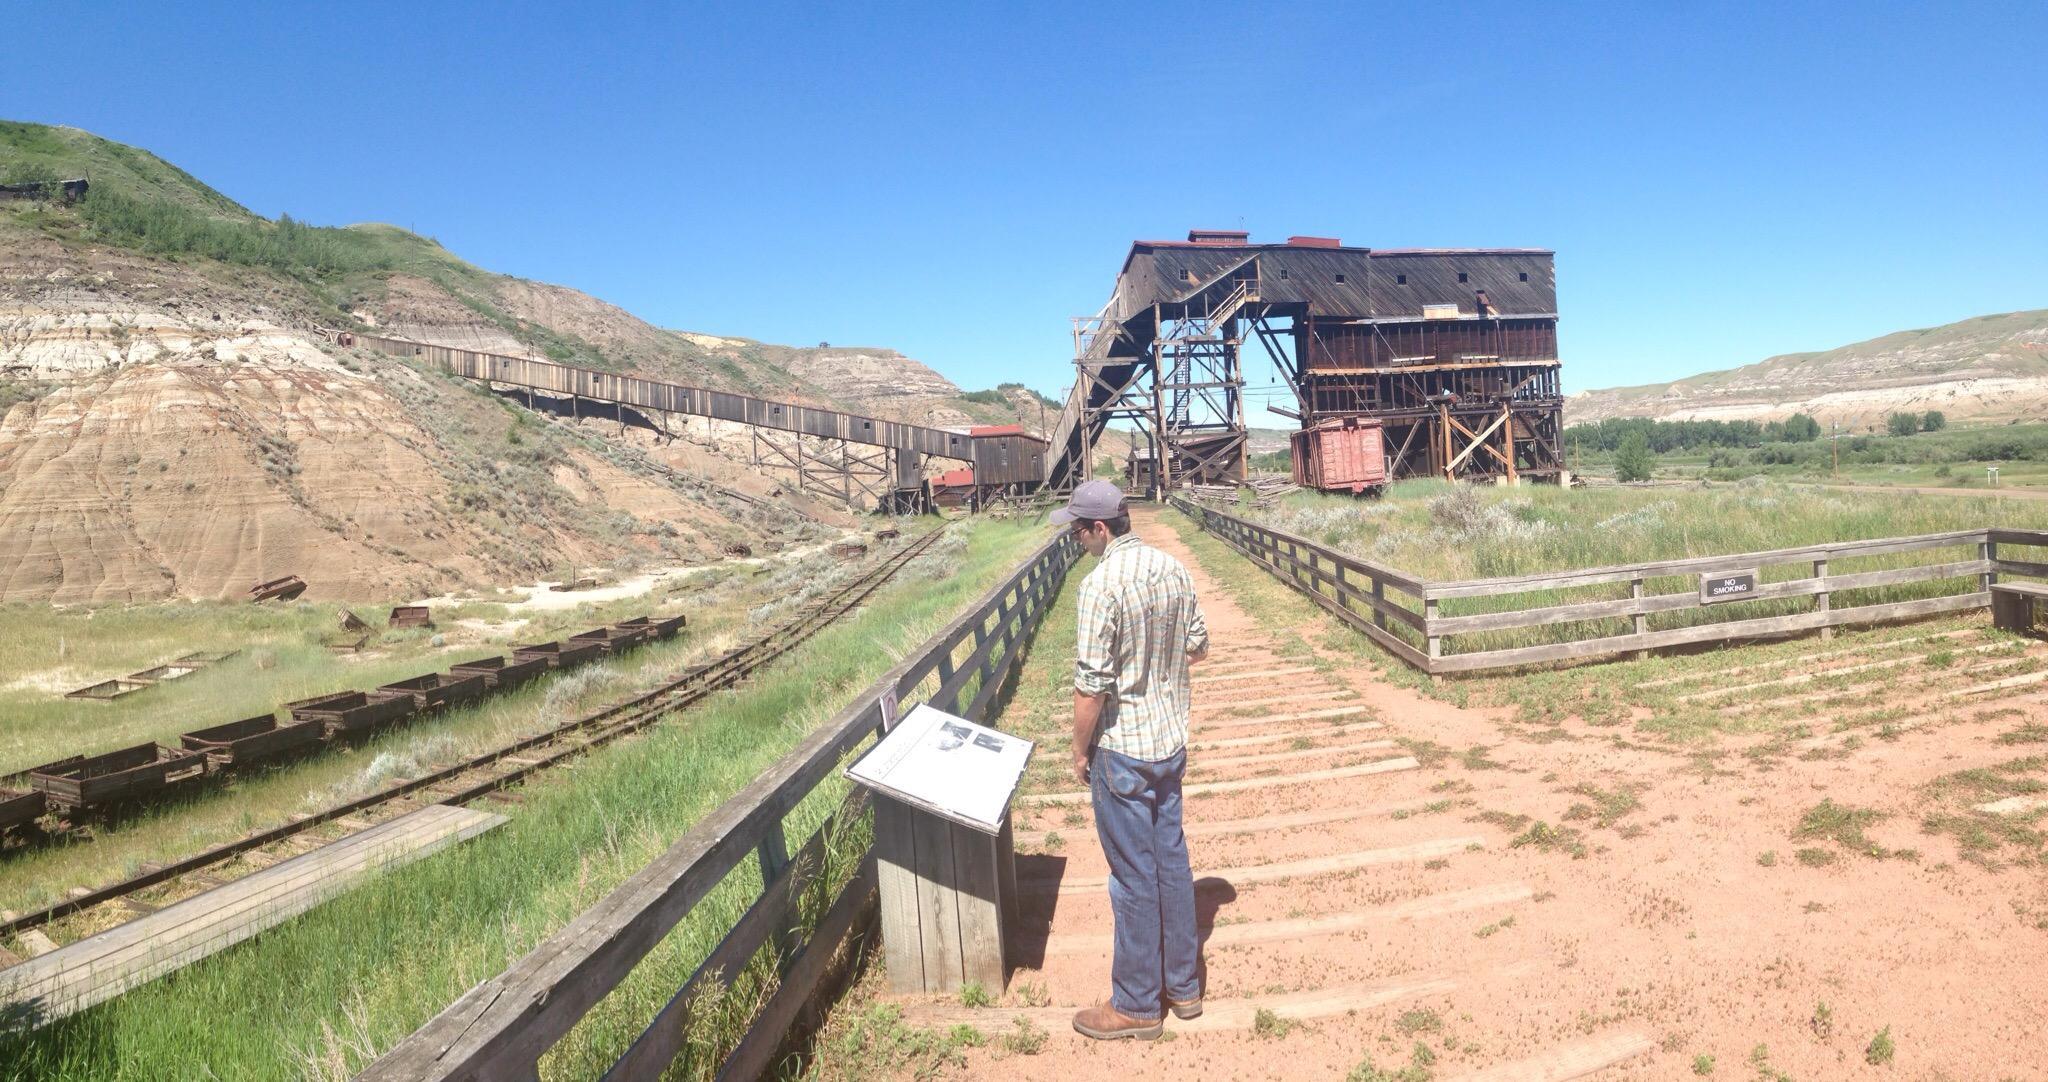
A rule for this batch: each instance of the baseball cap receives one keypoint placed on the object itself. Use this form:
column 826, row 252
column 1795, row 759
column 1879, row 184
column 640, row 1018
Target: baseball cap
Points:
column 1098, row 500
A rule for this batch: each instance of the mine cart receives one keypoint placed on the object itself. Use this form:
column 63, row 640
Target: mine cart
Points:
column 663, row 626
column 19, row 807
column 559, row 655
column 160, row 673
column 107, row 690
column 434, row 691
column 500, row 673
column 352, row 712
column 412, row 616
column 131, row 775
column 611, row 640
column 203, row 658
column 283, row 589
column 1347, row 454
column 253, row 740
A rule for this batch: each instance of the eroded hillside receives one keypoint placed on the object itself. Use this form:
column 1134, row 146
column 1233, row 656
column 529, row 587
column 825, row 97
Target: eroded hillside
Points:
column 172, row 436
column 1991, row 368
column 176, row 420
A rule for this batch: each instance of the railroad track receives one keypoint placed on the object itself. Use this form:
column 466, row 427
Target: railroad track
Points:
column 483, row 775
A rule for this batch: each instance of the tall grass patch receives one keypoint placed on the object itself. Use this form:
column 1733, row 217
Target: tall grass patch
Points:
column 1445, row 533
column 320, row 996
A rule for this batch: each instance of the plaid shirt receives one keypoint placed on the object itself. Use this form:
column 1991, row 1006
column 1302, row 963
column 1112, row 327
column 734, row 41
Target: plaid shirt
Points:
column 1138, row 622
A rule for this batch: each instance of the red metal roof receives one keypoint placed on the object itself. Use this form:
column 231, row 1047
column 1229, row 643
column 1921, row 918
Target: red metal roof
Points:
column 960, row 478
column 1314, row 242
column 996, row 430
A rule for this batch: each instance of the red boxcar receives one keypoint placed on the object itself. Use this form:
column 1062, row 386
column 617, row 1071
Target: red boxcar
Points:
column 1341, row 454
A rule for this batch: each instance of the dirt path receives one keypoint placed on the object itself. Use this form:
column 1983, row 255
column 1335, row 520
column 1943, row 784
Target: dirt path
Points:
column 1575, row 907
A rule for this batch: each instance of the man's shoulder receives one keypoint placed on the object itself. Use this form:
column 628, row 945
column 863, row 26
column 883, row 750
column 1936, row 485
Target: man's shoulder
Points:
column 1154, row 564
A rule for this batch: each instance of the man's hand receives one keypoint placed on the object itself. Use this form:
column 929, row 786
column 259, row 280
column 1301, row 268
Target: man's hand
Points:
column 1087, row 714
column 1196, row 656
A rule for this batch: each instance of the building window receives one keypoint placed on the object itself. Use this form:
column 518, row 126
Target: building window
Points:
column 1400, row 279
column 1340, row 279
column 1183, row 274
column 1461, row 276
column 1283, row 274
column 1525, row 276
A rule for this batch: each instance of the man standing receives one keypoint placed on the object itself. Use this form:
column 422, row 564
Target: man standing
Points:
column 1140, row 629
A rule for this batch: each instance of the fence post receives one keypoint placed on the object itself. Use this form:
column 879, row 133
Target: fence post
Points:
column 1379, row 598
column 774, row 854
column 1436, row 642
column 1987, row 550
column 1641, row 623
column 1823, row 600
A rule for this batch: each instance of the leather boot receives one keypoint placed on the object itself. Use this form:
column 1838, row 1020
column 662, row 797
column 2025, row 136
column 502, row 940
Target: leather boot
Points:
column 1105, row 1023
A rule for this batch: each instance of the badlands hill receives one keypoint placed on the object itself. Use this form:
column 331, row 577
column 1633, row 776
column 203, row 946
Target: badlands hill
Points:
column 1988, row 369
column 175, row 420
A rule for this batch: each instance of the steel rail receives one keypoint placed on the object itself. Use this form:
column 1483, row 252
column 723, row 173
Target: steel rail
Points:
column 644, row 709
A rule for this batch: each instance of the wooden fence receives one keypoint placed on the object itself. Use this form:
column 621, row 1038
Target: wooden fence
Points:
column 1370, row 596
column 501, row 1028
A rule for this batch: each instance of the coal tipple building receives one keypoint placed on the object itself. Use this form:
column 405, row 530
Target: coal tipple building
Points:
column 1453, row 351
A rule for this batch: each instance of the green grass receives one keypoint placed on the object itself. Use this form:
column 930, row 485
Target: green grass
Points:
column 1449, row 533
column 319, row 995
column 64, row 153
column 1271, row 1026
column 245, row 802
column 1446, row 532
column 45, row 652
column 1988, row 838
column 1844, row 824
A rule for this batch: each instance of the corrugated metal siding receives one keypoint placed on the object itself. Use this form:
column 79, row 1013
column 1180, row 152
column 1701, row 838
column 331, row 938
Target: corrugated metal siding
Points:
column 1372, row 285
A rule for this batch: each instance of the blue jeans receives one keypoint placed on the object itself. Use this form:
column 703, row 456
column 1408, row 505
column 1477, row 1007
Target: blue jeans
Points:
column 1151, row 886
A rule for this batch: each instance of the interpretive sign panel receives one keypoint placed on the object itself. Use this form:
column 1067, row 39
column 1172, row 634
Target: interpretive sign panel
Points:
column 948, row 766
column 1727, row 586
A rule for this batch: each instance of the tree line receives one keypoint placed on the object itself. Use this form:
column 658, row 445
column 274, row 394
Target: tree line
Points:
column 1664, row 437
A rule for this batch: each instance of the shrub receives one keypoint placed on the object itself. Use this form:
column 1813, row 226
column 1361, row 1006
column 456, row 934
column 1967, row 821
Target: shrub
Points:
column 1633, row 461
column 1902, row 424
column 1995, row 449
column 1933, row 421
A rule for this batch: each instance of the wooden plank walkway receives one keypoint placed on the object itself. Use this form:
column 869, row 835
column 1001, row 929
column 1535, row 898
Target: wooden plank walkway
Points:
column 98, row 968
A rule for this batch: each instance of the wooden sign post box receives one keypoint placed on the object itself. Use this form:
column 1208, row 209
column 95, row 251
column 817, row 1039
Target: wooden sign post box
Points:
column 944, row 857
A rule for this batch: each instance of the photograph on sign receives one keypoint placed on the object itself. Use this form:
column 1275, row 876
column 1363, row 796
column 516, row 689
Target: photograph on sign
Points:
column 951, row 766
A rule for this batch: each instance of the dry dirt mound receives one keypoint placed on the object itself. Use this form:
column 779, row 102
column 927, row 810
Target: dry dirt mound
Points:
column 171, row 440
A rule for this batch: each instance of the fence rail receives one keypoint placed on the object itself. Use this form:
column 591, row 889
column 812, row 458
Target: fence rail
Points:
column 1357, row 591
column 501, row 1028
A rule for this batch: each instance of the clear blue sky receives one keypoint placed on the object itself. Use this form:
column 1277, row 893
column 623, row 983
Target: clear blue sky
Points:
column 1720, row 183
